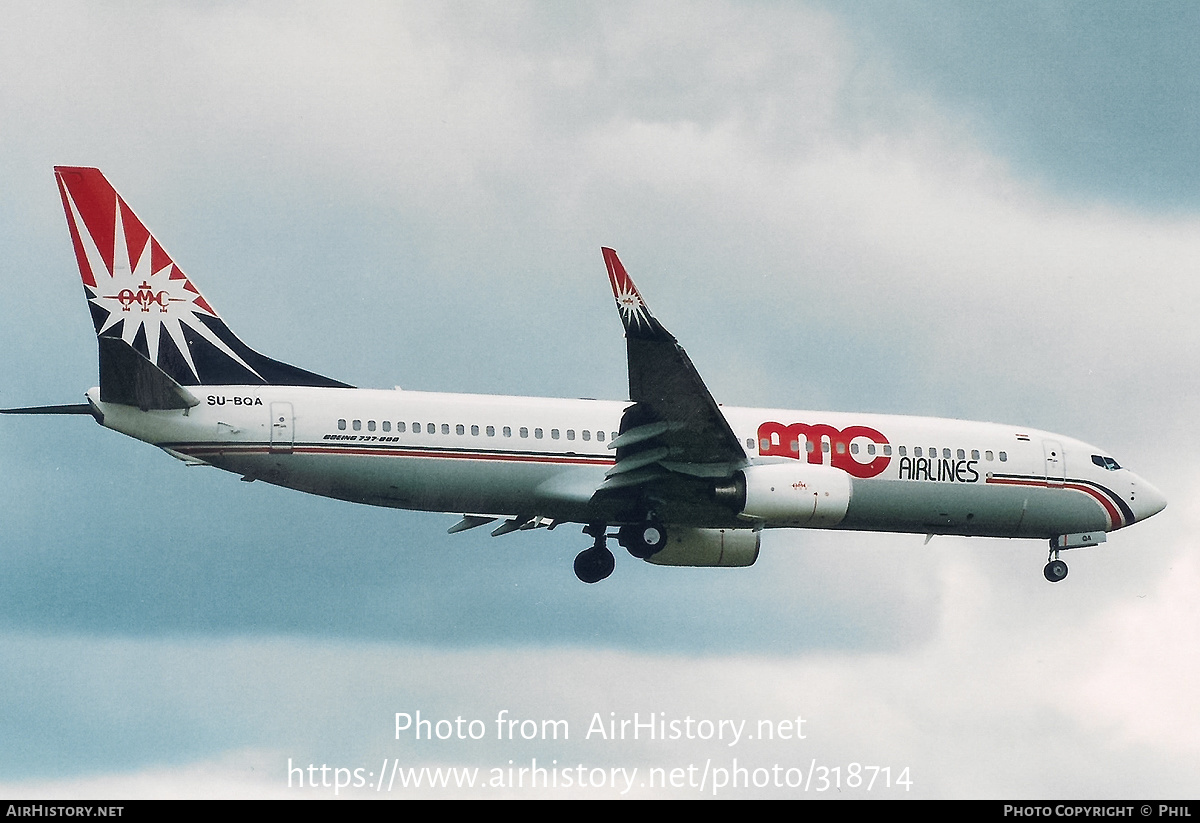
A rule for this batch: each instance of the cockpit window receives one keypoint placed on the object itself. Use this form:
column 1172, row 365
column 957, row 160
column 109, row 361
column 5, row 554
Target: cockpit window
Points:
column 1105, row 462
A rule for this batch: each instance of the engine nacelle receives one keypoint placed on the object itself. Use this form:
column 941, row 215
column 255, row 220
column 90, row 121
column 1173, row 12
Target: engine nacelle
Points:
column 689, row 546
column 795, row 494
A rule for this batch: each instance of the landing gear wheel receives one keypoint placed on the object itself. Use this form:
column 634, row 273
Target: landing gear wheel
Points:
column 1055, row 571
column 643, row 541
column 594, row 564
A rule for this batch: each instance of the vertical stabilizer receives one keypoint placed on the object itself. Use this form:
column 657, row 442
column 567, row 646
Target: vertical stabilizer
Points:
column 143, row 304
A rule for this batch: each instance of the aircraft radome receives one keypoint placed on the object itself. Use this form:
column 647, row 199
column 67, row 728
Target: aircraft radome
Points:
column 682, row 480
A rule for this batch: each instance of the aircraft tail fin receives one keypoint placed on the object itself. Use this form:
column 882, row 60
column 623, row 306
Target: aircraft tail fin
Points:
column 156, row 332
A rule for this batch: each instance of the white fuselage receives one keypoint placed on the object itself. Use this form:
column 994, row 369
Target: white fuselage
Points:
column 545, row 457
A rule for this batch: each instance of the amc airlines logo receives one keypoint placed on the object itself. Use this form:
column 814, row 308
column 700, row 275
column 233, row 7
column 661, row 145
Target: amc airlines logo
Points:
column 144, row 297
column 792, row 441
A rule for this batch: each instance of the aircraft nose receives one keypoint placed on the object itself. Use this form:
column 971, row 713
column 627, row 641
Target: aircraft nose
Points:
column 1145, row 500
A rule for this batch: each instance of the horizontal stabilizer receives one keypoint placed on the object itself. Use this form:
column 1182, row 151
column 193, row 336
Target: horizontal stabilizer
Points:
column 73, row 408
column 188, row 459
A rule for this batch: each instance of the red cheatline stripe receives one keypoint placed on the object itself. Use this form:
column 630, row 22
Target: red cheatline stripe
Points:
column 519, row 458
column 453, row 455
column 1115, row 519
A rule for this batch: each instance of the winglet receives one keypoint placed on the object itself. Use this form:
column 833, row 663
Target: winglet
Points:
column 673, row 413
column 635, row 314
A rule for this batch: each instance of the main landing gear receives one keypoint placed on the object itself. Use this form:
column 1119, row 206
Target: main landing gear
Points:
column 643, row 541
column 594, row 564
column 1055, row 569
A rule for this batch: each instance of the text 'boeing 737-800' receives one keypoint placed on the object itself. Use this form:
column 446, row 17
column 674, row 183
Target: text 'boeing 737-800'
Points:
column 680, row 479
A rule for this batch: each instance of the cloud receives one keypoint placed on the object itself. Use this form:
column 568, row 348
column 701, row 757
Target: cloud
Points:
column 1033, row 681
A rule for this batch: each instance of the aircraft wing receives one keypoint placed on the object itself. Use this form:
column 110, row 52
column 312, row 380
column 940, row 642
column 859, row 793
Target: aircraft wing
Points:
column 674, row 426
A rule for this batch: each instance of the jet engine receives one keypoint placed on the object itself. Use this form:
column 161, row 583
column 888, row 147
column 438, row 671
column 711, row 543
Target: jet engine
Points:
column 789, row 494
column 690, row 546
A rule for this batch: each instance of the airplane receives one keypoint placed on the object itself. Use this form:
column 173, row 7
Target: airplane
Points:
column 680, row 479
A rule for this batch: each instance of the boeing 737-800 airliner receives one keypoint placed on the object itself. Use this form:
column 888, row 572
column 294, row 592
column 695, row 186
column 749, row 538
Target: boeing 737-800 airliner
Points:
column 681, row 479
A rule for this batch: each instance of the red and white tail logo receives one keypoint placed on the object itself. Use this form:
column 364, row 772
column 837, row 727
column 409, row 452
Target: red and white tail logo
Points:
column 136, row 290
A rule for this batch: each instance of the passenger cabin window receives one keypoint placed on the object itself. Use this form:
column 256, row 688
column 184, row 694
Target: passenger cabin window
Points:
column 357, row 424
column 587, row 435
column 600, row 437
column 387, row 425
column 474, row 431
column 1003, row 457
column 460, row 429
column 370, row 425
column 570, row 434
column 491, row 431
column 342, row 425
column 445, row 428
column 524, row 432
column 537, row 433
column 554, row 434
column 507, row 431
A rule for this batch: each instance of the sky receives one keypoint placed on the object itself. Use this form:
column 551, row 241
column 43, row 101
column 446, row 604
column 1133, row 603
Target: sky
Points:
column 959, row 210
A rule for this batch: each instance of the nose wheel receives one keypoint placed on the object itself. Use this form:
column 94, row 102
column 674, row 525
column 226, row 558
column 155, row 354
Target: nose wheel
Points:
column 594, row 564
column 1056, row 569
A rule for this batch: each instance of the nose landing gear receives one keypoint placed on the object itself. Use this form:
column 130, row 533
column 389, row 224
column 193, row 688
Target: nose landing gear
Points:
column 1055, row 569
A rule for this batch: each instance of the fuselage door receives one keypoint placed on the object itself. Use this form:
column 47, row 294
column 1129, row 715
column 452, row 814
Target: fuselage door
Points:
column 281, row 428
column 1056, row 468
